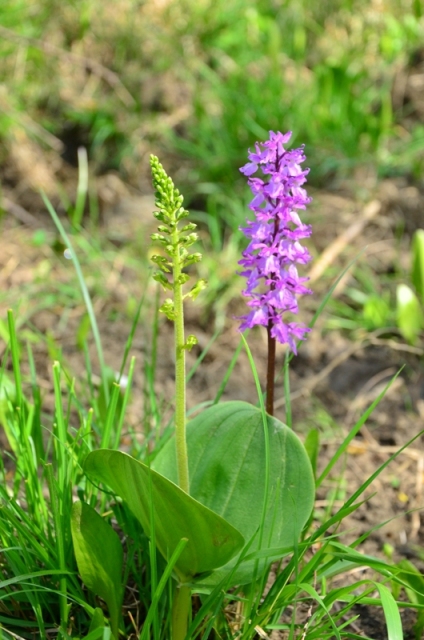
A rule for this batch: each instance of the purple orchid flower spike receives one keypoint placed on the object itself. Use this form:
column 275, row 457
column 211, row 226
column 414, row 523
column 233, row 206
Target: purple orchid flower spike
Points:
column 274, row 249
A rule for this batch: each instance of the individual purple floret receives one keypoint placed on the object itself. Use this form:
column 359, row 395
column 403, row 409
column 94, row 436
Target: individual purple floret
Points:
column 269, row 261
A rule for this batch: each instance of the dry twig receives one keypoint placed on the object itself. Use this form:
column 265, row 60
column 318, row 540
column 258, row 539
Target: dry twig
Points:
column 330, row 254
column 19, row 212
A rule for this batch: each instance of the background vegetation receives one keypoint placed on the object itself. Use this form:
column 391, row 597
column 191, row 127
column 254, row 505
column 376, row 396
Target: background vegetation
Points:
column 201, row 81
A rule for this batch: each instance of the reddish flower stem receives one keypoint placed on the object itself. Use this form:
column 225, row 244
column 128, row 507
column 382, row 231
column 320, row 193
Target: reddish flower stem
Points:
column 270, row 372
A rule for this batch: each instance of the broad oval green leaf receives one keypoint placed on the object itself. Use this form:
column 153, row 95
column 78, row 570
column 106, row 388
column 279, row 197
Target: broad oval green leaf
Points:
column 212, row 541
column 226, row 448
column 99, row 556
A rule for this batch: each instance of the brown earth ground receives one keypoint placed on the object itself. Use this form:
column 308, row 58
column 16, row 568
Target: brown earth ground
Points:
column 333, row 379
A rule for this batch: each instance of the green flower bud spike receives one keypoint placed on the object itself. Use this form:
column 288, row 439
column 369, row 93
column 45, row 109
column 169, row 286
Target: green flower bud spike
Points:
column 175, row 241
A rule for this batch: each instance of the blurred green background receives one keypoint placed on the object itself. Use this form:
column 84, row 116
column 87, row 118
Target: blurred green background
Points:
column 197, row 82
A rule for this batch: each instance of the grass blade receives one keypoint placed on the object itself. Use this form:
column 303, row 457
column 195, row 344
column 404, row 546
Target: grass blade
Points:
column 84, row 291
column 355, row 430
column 391, row 613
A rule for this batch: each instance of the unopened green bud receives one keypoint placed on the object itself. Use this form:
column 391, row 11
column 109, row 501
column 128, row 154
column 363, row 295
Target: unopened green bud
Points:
column 159, row 215
column 183, row 278
column 162, row 263
column 190, row 239
column 168, row 309
column 192, row 259
column 181, row 214
column 189, row 227
column 161, row 278
column 190, row 342
column 157, row 237
column 198, row 287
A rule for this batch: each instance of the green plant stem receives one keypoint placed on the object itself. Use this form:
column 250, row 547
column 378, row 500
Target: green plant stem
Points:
column 270, row 372
column 180, row 390
column 180, row 611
